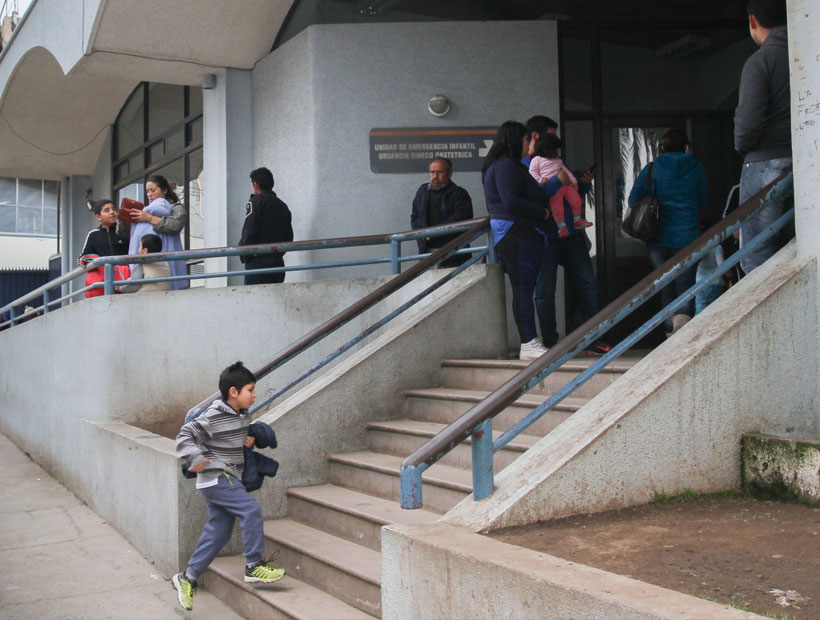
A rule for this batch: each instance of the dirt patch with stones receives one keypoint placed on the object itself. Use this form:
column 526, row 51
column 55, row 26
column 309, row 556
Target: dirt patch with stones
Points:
column 756, row 555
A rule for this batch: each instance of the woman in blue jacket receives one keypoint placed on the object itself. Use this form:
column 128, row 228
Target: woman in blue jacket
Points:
column 680, row 187
column 518, row 208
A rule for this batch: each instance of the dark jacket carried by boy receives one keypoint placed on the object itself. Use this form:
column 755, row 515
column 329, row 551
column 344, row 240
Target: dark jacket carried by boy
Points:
column 258, row 466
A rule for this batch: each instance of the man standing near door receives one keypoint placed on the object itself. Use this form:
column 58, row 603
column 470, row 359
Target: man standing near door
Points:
column 570, row 252
column 763, row 121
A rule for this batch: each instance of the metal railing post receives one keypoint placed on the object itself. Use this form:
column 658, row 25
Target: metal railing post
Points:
column 12, row 314
column 491, row 257
column 411, row 487
column 395, row 254
column 482, row 449
column 45, row 301
column 109, row 279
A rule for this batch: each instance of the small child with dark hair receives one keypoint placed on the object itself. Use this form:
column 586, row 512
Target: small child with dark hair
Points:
column 149, row 244
column 103, row 240
column 213, row 442
column 546, row 164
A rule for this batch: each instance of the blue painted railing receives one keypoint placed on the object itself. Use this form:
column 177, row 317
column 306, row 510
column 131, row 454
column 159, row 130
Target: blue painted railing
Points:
column 395, row 260
column 476, row 423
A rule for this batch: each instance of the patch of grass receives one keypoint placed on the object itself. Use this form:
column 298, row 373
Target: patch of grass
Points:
column 687, row 496
column 733, row 494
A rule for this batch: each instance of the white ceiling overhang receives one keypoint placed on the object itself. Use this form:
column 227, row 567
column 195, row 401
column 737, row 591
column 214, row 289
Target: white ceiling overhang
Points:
column 72, row 64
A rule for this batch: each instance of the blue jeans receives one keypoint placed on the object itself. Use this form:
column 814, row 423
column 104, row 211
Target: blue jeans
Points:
column 225, row 501
column 658, row 255
column 572, row 254
column 706, row 267
column 753, row 178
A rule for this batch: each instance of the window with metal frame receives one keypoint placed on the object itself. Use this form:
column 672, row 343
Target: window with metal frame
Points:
column 159, row 131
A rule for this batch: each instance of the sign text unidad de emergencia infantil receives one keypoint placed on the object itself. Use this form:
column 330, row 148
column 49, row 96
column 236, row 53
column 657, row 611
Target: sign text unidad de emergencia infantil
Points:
column 407, row 149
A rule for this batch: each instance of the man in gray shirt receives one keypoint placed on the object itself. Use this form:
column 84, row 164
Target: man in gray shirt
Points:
column 763, row 122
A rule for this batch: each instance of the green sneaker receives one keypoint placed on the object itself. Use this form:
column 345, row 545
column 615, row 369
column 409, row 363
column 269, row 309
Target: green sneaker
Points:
column 185, row 590
column 261, row 572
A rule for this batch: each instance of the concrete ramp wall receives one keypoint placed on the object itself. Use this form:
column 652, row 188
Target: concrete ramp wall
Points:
column 76, row 384
column 674, row 421
column 440, row 571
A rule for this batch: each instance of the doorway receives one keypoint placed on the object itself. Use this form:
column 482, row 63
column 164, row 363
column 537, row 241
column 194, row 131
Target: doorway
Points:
column 620, row 92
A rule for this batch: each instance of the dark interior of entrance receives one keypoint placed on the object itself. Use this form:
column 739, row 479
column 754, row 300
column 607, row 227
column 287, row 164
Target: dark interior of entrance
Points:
column 622, row 87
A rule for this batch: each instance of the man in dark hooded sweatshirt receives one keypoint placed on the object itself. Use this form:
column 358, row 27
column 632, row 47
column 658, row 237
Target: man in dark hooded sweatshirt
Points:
column 763, row 121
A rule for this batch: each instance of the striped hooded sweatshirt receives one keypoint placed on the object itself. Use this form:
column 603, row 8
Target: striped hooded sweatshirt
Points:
column 218, row 435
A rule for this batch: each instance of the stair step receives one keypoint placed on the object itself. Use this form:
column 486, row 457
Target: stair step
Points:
column 343, row 569
column 378, row 474
column 288, row 598
column 349, row 514
column 330, row 542
column 578, row 363
column 474, row 374
column 403, row 437
column 445, row 405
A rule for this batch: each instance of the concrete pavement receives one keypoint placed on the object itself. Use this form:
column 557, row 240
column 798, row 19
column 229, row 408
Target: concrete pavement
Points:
column 60, row 560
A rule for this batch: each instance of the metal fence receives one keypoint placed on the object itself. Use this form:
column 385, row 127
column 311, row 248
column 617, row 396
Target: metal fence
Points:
column 52, row 296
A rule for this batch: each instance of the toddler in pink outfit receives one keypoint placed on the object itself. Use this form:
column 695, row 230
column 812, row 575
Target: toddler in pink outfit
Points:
column 546, row 164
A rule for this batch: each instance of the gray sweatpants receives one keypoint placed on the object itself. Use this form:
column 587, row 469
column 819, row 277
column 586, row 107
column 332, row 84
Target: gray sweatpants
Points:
column 226, row 501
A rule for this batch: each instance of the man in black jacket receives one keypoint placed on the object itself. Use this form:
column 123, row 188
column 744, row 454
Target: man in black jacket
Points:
column 763, row 122
column 267, row 220
column 441, row 202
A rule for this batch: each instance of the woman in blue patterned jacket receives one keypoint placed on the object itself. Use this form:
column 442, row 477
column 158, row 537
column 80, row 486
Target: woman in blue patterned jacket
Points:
column 680, row 187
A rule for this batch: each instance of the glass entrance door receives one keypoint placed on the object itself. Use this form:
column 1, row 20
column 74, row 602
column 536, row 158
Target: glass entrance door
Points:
column 628, row 145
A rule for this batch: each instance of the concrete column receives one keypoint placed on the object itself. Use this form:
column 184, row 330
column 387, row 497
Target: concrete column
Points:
column 74, row 223
column 804, row 50
column 66, row 225
column 228, row 140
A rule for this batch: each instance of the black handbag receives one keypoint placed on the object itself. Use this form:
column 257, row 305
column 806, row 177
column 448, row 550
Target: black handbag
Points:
column 641, row 221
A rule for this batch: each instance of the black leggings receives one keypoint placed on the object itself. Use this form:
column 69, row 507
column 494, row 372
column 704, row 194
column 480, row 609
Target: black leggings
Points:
column 521, row 250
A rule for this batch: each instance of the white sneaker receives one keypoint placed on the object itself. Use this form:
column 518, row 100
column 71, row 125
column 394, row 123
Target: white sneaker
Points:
column 532, row 350
column 679, row 320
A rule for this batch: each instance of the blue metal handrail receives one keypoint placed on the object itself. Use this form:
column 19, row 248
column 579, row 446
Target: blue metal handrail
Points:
column 109, row 284
column 477, row 422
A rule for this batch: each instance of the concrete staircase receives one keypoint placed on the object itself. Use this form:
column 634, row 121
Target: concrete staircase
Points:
column 330, row 541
